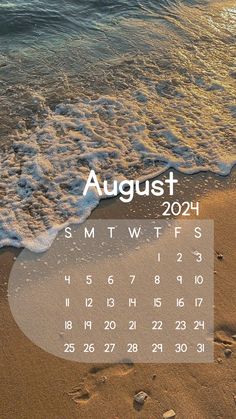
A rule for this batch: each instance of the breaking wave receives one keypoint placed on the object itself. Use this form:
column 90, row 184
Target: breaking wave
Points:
column 171, row 107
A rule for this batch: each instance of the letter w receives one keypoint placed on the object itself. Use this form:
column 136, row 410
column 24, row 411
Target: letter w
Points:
column 135, row 232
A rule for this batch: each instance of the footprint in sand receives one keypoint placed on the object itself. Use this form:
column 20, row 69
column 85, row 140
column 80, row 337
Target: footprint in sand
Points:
column 113, row 369
column 79, row 393
column 96, row 376
column 224, row 336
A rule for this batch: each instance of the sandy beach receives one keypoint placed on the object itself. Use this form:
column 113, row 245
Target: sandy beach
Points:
column 37, row 385
column 129, row 91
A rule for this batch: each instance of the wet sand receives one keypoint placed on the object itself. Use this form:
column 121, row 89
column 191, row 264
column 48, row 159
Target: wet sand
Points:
column 35, row 384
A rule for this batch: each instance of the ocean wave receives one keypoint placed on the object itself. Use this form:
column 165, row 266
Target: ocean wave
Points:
column 23, row 17
column 173, row 107
column 20, row 19
column 43, row 177
column 59, row 17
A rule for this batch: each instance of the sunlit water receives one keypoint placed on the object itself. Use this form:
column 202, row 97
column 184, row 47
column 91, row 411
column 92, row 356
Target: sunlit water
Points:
column 126, row 88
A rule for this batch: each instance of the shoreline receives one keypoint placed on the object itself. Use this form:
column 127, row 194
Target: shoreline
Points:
column 214, row 180
column 36, row 384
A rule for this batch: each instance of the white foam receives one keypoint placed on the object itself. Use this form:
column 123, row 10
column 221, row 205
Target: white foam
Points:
column 178, row 112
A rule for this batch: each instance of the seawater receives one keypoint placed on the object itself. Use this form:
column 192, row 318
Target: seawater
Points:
column 128, row 89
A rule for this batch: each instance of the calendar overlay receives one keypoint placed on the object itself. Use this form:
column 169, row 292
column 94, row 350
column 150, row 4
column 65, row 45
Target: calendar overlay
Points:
column 120, row 291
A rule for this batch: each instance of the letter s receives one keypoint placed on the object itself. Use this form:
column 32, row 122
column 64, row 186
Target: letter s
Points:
column 68, row 233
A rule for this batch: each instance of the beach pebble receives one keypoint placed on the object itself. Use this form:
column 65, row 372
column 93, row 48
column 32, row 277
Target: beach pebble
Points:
column 169, row 414
column 103, row 379
column 234, row 337
column 220, row 256
column 140, row 397
column 227, row 352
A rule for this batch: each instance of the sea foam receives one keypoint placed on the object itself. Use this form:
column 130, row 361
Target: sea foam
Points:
column 44, row 175
column 175, row 109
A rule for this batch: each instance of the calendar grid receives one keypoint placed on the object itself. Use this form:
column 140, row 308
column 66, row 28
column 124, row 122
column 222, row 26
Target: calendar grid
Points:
column 135, row 290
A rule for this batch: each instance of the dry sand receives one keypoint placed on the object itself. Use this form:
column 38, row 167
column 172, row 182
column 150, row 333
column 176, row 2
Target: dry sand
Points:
column 37, row 385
